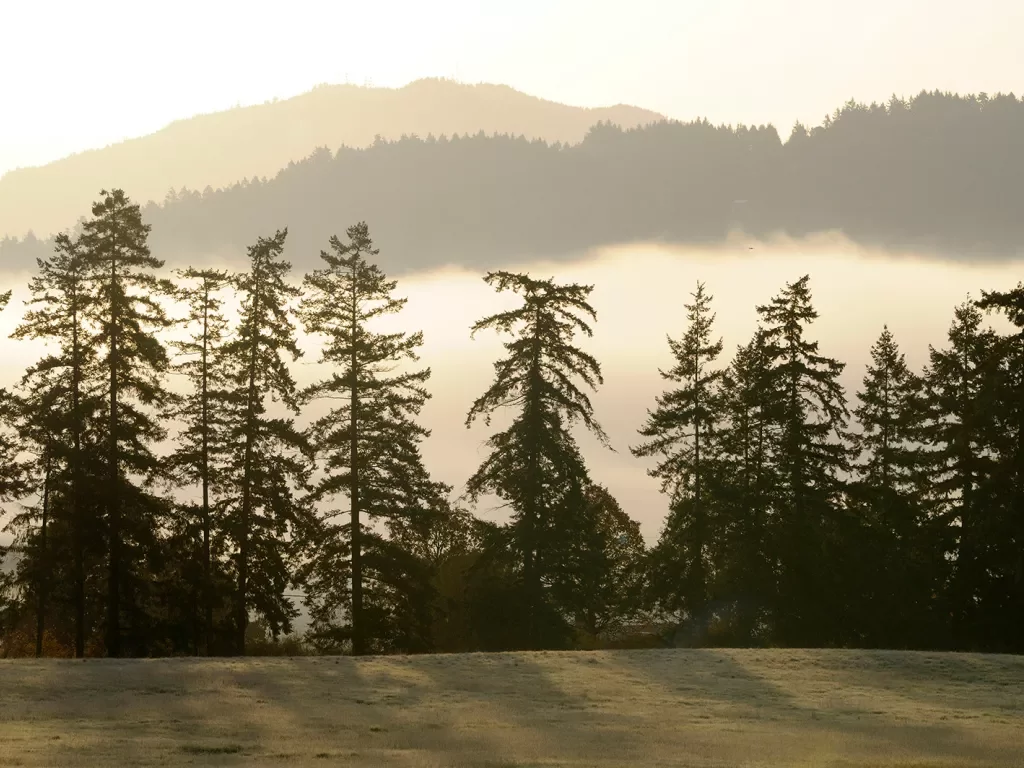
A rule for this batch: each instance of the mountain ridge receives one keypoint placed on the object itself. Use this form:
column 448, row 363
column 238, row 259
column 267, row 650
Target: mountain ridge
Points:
column 217, row 149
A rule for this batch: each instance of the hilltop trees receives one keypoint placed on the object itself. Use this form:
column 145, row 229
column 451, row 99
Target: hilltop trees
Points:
column 535, row 461
column 887, row 417
column 62, row 404
column 157, row 519
column 267, row 456
column 807, row 415
column 745, row 490
column 753, row 459
column 126, row 312
column 204, row 410
column 1005, row 528
column 681, row 432
column 13, row 480
column 895, row 581
column 369, row 444
column 960, row 460
column 11, row 471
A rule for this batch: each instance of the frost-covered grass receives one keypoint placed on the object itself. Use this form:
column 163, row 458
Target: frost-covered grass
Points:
column 612, row 708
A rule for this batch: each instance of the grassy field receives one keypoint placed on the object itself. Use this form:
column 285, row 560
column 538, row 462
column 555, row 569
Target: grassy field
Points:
column 614, row 708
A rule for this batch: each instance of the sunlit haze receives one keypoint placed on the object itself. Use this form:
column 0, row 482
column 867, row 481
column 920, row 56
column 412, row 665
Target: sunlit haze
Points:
column 82, row 75
column 856, row 292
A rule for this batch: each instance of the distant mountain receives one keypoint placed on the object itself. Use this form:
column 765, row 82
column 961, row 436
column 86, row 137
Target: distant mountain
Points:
column 938, row 173
column 219, row 149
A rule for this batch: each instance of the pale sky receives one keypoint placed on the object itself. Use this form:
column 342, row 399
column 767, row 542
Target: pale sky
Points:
column 77, row 75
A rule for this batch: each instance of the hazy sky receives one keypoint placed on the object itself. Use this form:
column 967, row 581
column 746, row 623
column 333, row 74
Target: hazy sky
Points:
column 77, row 75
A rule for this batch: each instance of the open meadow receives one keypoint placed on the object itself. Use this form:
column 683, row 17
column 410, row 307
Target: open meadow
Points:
column 606, row 708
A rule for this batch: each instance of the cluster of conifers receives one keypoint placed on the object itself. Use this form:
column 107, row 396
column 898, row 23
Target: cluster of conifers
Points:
column 156, row 521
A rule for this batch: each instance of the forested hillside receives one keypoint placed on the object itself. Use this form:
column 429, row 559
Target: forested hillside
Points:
column 939, row 173
column 221, row 148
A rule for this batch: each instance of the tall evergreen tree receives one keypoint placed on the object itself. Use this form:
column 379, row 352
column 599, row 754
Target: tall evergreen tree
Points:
column 11, row 471
column 369, row 444
column 128, row 313
column 38, row 426
column 267, row 459
column 681, row 433
column 61, row 394
column 887, row 419
column 201, row 445
column 13, row 479
column 744, row 487
column 1006, row 533
column 809, row 411
column 958, row 434
column 535, row 460
column 893, row 561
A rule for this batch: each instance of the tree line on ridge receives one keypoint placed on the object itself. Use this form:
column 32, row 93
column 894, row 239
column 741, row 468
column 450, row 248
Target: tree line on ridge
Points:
column 938, row 172
column 149, row 521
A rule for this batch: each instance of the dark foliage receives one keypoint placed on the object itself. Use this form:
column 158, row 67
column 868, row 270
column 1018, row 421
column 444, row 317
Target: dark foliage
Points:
column 794, row 520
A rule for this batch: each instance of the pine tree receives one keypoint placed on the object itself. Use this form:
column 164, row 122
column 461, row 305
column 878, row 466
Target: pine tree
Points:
column 681, row 432
column 127, row 312
column 60, row 391
column 535, row 461
column 38, row 428
column 15, row 481
column 12, row 481
column 887, row 419
column 957, row 430
column 1006, row 532
column 201, row 444
column 744, row 486
column 808, row 407
column 369, row 444
column 892, row 560
column 267, row 460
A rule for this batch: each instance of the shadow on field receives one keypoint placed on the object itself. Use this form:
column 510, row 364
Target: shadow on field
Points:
column 711, row 707
column 511, row 700
column 987, row 683
column 820, row 700
column 133, row 713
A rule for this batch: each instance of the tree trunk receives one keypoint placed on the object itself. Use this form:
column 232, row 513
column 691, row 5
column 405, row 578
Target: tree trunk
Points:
column 44, row 579
column 241, row 611
column 358, row 639
column 531, row 575
column 113, row 478
column 78, row 542
column 205, row 470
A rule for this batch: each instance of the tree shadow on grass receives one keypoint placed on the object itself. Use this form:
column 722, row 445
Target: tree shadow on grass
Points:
column 816, row 706
column 505, row 709
column 102, row 712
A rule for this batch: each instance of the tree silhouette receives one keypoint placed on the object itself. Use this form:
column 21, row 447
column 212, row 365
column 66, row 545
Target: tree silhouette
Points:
column 126, row 311
column 369, row 443
column 1006, row 531
column 957, row 431
column 807, row 408
column 745, row 489
column 268, row 456
column 535, row 460
column 201, row 445
column 598, row 578
column 62, row 396
column 897, row 542
column 681, row 432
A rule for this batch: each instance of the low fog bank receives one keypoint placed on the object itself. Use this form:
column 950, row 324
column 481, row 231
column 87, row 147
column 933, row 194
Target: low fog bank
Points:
column 639, row 294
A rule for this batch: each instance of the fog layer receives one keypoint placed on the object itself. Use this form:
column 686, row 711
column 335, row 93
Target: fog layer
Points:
column 639, row 293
